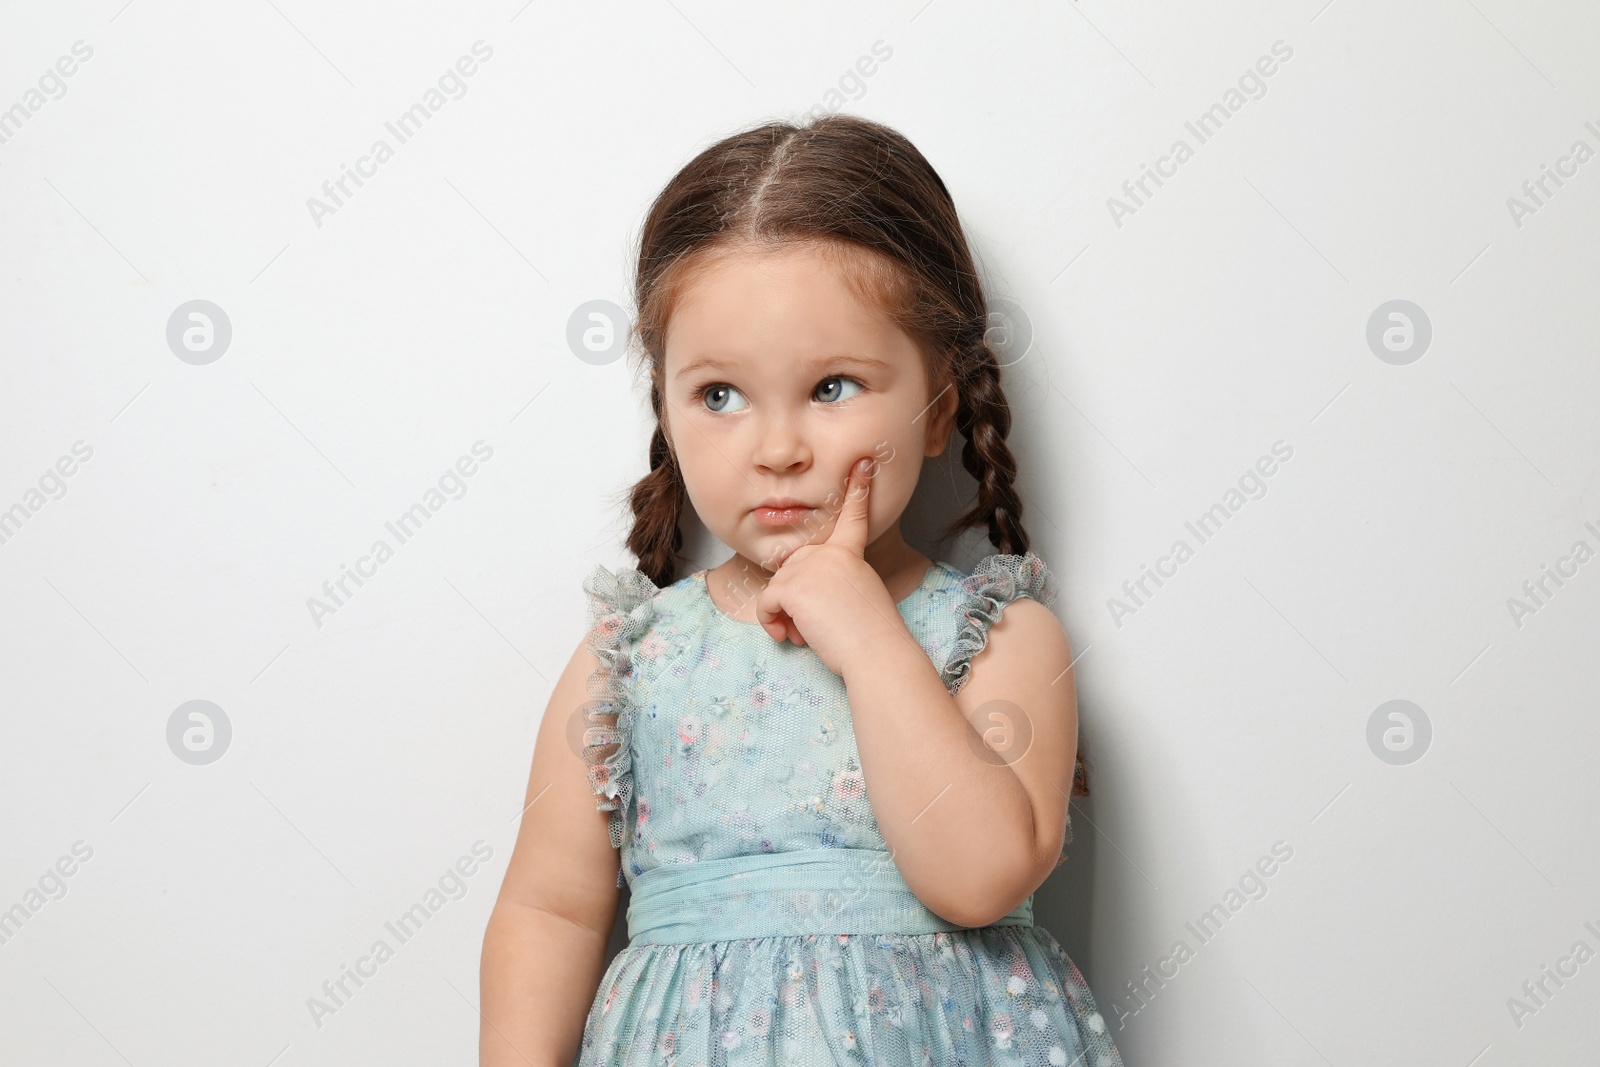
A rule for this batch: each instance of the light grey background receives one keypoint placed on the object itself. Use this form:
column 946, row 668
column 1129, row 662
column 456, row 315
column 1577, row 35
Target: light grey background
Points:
column 1171, row 348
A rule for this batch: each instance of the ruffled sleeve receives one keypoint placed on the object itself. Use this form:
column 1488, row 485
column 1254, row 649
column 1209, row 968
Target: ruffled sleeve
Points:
column 620, row 611
column 996, row 581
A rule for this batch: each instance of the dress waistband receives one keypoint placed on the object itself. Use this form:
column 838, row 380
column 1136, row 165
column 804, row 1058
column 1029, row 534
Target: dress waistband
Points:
column 782, row 894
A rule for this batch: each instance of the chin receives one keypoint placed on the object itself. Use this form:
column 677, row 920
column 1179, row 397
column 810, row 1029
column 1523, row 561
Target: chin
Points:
column 764, row 546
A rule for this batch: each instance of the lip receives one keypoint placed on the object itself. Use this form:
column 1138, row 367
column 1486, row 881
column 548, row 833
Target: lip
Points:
column 781, row 511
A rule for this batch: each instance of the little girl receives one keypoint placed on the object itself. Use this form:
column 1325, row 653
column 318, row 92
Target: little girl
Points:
column 836, row 770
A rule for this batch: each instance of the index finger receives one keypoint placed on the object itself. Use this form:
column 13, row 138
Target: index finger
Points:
column 850, row 529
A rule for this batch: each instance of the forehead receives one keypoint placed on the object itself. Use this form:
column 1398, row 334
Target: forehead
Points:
column 794, row 307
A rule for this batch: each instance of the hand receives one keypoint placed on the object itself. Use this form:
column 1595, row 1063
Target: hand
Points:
column 826, row 595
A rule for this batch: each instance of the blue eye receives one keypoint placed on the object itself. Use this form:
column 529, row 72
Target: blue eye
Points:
column 719, row 393
column 832, row 392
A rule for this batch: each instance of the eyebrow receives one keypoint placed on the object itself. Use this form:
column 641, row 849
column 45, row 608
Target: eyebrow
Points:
column 711, row 362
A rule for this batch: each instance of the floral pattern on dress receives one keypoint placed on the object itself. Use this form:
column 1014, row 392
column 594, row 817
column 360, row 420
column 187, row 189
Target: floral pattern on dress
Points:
column 728, row 745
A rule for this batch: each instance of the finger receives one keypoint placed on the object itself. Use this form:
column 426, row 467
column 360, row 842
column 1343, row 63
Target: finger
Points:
column 785, row 554
column 783, row 629
column 850, row 529
column 770, row 613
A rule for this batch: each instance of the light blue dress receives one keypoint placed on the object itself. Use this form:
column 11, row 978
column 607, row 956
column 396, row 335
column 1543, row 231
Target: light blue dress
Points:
column 767, row 922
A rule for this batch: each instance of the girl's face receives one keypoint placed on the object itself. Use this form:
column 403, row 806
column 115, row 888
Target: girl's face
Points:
column 777, row 380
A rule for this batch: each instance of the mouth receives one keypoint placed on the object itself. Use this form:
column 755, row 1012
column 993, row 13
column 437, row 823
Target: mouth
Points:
column 781, row 512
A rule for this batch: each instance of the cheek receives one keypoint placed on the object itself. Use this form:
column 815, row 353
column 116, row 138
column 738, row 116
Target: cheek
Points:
column 892, row 487
column 707, row 493
column 698, row 466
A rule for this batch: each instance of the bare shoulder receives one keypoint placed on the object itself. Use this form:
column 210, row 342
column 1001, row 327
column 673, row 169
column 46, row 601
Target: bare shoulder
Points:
column 563, row 861
column 1025, row 647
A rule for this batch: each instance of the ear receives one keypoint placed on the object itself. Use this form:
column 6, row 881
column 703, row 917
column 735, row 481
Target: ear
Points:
column 941, row 420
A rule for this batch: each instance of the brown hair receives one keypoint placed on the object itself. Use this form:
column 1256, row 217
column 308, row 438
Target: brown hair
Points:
column 860, row 191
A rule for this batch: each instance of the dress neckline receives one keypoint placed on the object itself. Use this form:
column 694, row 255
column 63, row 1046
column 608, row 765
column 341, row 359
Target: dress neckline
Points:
column 699, row 578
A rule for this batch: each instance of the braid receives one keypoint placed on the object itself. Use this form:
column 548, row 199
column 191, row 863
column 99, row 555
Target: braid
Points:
column 984, row 418
column 657, row 501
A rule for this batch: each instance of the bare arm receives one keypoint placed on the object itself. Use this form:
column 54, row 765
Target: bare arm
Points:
column 544, row 947
column 971, row 835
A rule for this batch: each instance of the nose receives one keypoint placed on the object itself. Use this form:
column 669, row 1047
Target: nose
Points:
column 781, row 449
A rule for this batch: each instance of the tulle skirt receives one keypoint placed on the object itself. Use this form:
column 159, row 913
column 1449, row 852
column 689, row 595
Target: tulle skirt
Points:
column 1004, row 995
